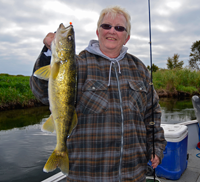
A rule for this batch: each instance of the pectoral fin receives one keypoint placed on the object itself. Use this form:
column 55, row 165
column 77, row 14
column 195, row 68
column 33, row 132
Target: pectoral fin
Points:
column 43, row 73
column 49, row 125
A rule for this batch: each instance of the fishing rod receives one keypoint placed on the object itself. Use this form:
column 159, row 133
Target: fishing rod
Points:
column 151, row 83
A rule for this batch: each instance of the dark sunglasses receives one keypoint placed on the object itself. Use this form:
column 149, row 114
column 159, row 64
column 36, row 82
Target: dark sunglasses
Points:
column 117, row 28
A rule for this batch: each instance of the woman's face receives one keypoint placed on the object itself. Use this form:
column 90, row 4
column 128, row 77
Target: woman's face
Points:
column 111, row 41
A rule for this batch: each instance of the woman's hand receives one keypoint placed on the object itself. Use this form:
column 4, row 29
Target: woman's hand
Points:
column 155, row 161
column 48, row 39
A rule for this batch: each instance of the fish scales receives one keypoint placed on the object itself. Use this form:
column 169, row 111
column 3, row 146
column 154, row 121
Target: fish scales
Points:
column 62, row 90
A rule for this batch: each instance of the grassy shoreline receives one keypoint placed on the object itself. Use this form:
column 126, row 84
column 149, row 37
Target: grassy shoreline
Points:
column 177, row 82
column 15, row 90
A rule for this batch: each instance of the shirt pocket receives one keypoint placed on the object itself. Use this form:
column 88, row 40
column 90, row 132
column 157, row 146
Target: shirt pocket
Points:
column 94, row 99
column 137, row 96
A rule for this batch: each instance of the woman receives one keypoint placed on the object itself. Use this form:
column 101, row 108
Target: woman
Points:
column 113, row 138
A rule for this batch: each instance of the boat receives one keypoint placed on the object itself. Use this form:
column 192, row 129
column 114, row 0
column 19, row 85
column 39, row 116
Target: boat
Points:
column 191, row 171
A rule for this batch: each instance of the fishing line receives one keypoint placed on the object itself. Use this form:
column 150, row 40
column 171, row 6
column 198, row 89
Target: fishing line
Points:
column 151, row 84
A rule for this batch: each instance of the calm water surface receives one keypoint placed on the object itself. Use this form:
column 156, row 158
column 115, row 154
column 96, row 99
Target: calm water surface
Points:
column 24, row 148
column 176, row 111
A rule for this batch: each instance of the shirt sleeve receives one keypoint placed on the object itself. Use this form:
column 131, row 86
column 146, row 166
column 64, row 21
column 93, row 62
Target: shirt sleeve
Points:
column 40, row 87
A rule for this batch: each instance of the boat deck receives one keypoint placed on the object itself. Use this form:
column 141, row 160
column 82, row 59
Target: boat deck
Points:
column 191, row 174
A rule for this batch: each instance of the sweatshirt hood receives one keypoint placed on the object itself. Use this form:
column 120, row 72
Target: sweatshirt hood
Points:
column 94, row 48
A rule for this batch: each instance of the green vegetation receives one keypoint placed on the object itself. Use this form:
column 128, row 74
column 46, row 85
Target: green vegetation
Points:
column 174, row 62
column 194, row 61
column 15, row 90
column 154, row 68
column 181, row 80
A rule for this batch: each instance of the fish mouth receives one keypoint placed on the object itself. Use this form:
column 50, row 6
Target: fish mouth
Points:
column 63, row 27
column 69, row 26
column 65, row 31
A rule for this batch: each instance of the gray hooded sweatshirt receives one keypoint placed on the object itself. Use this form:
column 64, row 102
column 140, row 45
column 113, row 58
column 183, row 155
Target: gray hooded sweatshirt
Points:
column 93, row 48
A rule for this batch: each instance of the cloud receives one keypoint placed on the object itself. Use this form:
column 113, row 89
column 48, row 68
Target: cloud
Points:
column 24, row 24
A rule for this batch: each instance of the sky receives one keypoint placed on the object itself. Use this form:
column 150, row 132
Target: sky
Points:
column 175, row 26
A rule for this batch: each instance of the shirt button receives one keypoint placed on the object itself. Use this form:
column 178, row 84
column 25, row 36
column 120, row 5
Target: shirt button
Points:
column 140, row 88
column 93, row 88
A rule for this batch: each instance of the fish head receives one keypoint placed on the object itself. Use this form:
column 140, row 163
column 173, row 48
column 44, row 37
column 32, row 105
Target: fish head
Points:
column 63, row 45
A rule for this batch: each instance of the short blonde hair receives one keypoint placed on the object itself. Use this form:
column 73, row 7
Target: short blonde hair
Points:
column 113, row 11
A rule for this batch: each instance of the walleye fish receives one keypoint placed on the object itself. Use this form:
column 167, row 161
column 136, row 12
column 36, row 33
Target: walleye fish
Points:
column 61, row 74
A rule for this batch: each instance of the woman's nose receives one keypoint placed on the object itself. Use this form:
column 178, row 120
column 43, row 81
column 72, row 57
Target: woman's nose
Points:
column 112, row 30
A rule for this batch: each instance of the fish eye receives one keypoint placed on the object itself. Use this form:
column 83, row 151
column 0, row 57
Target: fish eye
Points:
column 69, row 37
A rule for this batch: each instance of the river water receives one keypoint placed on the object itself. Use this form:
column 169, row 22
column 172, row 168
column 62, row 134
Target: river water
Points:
column 24, row 148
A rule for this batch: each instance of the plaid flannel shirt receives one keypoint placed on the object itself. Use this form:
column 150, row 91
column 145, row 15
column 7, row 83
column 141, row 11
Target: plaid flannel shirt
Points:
column 112, row 141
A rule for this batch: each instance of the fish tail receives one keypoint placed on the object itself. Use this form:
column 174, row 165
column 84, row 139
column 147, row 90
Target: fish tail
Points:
column 57, row 159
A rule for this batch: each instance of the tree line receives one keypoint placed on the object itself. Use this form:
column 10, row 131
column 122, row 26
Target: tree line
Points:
column 173, row 62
